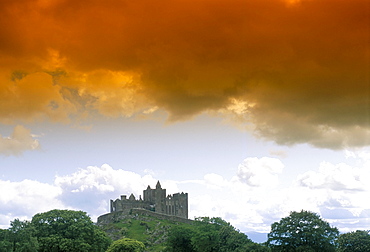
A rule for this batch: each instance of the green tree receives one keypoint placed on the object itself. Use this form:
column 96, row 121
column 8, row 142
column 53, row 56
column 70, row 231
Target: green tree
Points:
column 126, row 244
column 207, row 234
column 302, row 231
column 5, row 244
column 231, row 240
column 179, row 239
column 67, row 230
column 358, row 241
column 19, row 237
column 206, row 237
column 255, row 247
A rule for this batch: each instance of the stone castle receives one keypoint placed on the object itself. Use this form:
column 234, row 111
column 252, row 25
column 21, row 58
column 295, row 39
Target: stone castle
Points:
column 154, row 200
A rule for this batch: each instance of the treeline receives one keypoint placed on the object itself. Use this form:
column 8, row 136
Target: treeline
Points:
column 73, row 231
column 299, row 232
column 209, row 234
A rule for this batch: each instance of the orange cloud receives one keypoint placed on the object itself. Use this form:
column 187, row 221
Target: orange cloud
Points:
column 21, row 140
column 302, row 64
column 32, row 97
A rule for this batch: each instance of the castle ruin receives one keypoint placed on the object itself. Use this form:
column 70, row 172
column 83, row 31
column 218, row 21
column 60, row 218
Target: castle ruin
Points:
column 154, row 200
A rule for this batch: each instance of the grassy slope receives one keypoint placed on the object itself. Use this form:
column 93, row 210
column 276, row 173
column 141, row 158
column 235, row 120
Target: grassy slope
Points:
column 147, row 229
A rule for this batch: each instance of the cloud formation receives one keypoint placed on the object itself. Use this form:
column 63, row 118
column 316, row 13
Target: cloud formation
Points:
column 25, row 198
column 337, row 177
column 260, row 172
column 92, row 187
column 21, row 140
column 299, row 68
column 246, row 206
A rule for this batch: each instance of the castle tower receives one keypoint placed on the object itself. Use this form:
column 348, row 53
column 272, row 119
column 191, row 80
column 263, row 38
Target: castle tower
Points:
column 160, row 197
column 149, row 195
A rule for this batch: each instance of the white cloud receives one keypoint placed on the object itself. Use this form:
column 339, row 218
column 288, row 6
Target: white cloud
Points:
column 214, row 181
column 336, row 177
column 335, row 191
column 21, row 140
column 260, row 172
column 26, row 198
column 342, row 191
column 103, row 179
column 91, row 188
column 349, row 154
column 88, row 189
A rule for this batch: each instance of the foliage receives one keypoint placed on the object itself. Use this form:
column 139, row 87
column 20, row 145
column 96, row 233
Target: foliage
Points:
column 179, row 239
column 126, row 244
column 19, row 237
column 67, row 230
column 302, row 231
column 255, row 247
column 5, row 244
column 354, row 241
column 208, row 234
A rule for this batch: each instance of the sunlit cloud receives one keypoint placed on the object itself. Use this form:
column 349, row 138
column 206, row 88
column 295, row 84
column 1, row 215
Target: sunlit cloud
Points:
column 20, row 140
column 295, row 70
column 32, row 97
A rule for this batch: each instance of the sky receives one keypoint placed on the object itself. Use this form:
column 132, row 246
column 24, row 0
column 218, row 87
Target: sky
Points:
column 255, row 108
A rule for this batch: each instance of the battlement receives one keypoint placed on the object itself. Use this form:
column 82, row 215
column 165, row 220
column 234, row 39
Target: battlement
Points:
column 154, row 200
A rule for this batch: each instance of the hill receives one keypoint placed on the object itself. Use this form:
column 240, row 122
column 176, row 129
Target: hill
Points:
column 142, row 225
column 157, row 231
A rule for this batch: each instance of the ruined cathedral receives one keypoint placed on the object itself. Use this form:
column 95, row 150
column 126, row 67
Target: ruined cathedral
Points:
column 154, row 200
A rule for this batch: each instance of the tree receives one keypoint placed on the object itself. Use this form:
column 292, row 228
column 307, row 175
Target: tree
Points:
column 302, row 231
column 206, row 237
column 5, row 244
column 354, row 241
column 255, row 247
column 19, row 237
column 22, row 236
column 126, row 244
column 231, row 239
column 179, row 239
column 207, row 234
column 67, row 230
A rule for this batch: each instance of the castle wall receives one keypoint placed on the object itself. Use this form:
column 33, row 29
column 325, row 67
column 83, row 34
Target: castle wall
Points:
column 123, row 205
column 177, row 205
column 154, row 200
column 160, row 216
column 133, row 213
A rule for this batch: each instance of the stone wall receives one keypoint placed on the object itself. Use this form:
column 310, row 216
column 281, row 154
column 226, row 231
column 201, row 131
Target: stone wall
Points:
column 117, row 216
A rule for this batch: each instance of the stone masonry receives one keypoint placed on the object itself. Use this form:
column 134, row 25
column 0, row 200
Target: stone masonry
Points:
column 154, row 200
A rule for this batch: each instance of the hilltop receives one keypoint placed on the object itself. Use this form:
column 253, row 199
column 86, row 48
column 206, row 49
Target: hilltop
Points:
column 146, row 226
column 160, row 232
